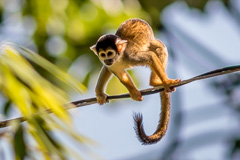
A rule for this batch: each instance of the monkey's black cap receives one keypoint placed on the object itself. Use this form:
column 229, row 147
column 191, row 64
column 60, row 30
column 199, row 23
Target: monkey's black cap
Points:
column 106, row 41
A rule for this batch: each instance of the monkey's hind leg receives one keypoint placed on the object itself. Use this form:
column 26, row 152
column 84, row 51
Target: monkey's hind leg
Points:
column 160, row 50
column 155, row 81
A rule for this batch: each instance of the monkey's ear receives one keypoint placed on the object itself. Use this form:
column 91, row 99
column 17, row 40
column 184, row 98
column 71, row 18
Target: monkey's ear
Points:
column 94, row 48
column 121, row 45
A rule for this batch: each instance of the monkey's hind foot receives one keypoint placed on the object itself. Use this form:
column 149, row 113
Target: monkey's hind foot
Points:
column 158, row 83
column 169, row 83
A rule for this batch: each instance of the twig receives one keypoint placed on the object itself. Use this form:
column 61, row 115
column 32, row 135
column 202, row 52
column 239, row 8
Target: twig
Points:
column 144, row 92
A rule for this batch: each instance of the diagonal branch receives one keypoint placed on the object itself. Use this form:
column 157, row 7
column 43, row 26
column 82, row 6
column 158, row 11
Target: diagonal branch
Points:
column 144, row 92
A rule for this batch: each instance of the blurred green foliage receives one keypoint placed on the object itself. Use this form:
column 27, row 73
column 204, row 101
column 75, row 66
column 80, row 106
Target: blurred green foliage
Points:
column 24, row 88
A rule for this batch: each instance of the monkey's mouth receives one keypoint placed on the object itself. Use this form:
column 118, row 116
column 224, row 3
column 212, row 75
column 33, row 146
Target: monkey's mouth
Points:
column 108, row 62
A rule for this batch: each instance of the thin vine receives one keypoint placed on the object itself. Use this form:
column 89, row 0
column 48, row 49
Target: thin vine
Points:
column 89, row 101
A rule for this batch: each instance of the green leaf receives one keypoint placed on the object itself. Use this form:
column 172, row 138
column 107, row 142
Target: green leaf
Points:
column 86, row 79
column 47, row 132
column 19, row 144
column 34, row 57
column 7, row 107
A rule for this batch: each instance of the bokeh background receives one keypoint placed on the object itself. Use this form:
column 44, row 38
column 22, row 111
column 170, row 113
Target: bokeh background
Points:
column 201, row 35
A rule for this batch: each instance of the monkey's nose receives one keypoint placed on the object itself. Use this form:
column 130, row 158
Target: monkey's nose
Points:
column 108, row 62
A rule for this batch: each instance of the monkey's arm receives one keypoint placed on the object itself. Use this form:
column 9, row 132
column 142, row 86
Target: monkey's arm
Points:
column 127, row 82
column 103, row 78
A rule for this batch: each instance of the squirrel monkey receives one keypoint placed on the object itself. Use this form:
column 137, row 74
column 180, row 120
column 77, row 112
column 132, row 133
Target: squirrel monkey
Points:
column 134, row 45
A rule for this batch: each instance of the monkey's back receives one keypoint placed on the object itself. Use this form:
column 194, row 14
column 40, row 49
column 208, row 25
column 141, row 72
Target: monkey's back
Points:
column 137, row 32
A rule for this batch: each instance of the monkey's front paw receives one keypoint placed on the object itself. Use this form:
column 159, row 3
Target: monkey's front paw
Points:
column 102, row 98
column 136, row 95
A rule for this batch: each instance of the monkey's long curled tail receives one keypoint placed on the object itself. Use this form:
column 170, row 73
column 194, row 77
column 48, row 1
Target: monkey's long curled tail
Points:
column 162, row 125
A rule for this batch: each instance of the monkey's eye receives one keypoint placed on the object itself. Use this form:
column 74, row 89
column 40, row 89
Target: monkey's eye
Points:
column 110, row 53
column 102, row 55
